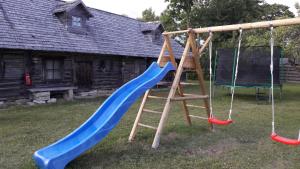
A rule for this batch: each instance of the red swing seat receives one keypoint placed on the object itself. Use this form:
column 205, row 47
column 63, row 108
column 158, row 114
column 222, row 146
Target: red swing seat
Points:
column 219, row 122
column 284, row 140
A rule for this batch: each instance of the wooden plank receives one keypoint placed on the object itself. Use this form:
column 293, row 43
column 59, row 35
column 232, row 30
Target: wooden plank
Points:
column 189, row 98
column 194, row 106
column 199, row 117
column 245, row 26
column 147, row 126
column 151, row 111
column 10, row 88
column 51, row 89
column 157, row 97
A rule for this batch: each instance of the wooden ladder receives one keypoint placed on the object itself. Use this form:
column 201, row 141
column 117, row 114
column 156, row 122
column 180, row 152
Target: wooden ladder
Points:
column 176, row 88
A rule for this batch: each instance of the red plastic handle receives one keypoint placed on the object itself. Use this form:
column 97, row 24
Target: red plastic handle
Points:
column 219, row 122
column 284, row 140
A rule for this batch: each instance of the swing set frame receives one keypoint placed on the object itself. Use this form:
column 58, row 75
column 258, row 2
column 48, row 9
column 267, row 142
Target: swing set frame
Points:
column 192, row 53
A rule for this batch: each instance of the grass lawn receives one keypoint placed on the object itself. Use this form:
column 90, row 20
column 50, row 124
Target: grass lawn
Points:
column 244, row 144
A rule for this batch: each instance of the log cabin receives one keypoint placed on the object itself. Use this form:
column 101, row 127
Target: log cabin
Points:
column 57, row 46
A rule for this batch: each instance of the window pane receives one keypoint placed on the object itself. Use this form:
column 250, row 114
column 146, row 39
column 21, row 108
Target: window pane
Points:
column 76, row 21
column 57, row 75
column 49, row 75
column 49, row 64
column 56, row 64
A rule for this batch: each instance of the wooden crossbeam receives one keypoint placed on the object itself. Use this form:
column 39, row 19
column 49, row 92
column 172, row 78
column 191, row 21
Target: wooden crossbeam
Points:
column 245, row 26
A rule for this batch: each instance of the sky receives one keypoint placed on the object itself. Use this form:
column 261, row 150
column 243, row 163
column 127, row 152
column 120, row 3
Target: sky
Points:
column 134, row 8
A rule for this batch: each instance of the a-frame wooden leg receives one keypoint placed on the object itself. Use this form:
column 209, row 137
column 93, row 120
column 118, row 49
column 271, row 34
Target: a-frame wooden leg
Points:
column 171, row 95
column 196, row 57
column 139, row 114
column 184, row 105
column 180, row 89
column 138, row 117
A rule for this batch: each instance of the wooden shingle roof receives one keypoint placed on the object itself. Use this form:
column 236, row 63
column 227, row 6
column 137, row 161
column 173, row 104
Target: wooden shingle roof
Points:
column 32, row 25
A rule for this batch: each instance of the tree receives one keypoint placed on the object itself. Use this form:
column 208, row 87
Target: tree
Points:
column 180, row 10
column 148, row 15
column 168, row 22
column 285, row 37
column 271, row 12
column 297, row 6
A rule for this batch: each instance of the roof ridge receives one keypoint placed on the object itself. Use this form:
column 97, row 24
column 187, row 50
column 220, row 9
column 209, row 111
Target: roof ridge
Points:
column 96, row 9
column 100, row 10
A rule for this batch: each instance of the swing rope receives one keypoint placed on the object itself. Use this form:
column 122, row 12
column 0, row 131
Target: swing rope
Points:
column 272, row 80
column 236, row 73
column 229, row 120
column 210, row 75
column 274, row 136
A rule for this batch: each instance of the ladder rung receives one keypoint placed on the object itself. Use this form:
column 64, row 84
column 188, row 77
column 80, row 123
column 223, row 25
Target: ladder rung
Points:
column 200, row 107
column 157, row 97
column 151, row 111
column 199, row 117
column 191, row 97
column 147, row 126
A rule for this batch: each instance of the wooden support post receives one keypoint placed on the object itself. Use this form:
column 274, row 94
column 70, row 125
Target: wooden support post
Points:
column 171, row 95
column 180, row 89
column 196, row 57
column 139, row 114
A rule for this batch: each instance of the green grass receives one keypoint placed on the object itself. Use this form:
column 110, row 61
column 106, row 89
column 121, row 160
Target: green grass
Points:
column 244, row 144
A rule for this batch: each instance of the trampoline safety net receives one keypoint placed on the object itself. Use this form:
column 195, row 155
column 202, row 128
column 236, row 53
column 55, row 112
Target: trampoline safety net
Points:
column 254, row 67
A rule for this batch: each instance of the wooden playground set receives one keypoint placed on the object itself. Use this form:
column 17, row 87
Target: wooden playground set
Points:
column 190, row 62
column 108, row 115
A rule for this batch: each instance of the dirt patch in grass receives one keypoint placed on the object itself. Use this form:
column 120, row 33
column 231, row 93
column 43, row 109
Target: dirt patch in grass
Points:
column 219, row 148
column 278, row 164
column 170, row 137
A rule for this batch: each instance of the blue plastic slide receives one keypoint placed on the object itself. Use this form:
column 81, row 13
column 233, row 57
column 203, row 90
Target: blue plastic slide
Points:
column 60, row 153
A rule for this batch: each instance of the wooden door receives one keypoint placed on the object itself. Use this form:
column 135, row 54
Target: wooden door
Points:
column 84, row 74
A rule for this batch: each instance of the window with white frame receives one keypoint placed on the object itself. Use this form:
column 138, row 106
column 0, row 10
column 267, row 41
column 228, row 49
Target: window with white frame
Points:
column 76, row 21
